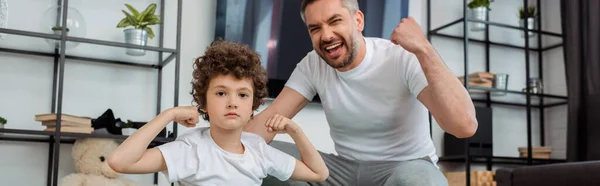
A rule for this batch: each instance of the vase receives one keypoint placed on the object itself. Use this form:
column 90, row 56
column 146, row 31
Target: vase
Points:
column 500, row 83
column 530, row 25
column 51, row 22
column 136, row 37
column 479, row 13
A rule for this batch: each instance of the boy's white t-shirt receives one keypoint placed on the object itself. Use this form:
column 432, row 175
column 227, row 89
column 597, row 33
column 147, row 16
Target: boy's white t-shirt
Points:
column 195, row 159
column 372, row 110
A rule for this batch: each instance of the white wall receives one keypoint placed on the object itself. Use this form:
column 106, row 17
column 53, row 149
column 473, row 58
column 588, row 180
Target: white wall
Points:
column 89, row 88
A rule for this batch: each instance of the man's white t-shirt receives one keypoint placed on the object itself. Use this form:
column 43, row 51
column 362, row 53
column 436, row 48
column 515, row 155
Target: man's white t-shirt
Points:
column 195, row 159
column 372, row 110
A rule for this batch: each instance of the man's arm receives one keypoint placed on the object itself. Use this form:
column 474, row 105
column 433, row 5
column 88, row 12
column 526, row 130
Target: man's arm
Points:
column 288, row 103
column 445, row 97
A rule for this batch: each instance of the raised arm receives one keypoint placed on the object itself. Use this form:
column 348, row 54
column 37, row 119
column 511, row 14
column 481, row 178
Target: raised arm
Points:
column 288, row 103
column 445, row 97
column 133, row 157
column 311, row 168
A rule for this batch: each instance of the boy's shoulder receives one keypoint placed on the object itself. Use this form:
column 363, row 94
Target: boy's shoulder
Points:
column 194, row 136
column 252, row 138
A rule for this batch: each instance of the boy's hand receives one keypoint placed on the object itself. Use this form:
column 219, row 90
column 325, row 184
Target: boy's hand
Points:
column 185, row 115
column 281, row 124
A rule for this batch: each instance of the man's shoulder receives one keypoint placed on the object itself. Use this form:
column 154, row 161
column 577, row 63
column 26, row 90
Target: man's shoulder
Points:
column 312, row 61
column 385, row 45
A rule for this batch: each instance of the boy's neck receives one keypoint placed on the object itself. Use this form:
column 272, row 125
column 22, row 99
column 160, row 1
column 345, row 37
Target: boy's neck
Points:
column 228, row 140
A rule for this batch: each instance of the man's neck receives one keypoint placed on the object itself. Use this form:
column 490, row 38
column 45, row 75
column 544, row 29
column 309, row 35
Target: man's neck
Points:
column 228, row 140
column 360, row 56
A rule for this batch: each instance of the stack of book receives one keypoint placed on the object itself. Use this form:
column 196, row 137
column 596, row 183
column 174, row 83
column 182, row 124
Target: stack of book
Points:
column 68, row 123
column 480, row 79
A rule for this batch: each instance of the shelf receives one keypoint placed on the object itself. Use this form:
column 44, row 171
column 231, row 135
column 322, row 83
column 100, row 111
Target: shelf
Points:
column 47, row 54
column 500, row 160
column 83, row 40
column 106, row 51
column 517, row 98
column 65, row 137
column 518, row 30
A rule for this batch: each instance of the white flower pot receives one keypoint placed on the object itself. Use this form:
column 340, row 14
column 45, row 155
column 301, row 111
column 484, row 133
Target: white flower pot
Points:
column 479, row 13
column 531, row 25
column 136, row 37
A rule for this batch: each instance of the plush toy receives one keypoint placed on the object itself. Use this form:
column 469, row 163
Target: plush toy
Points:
column 90, row 157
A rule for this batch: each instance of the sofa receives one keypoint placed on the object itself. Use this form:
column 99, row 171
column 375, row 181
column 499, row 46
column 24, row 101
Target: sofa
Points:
column 570, row 173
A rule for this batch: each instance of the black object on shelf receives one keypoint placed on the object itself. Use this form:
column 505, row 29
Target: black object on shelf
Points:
column 115, row 126
column 538, row 100
column 56, row 138
column 480, row 144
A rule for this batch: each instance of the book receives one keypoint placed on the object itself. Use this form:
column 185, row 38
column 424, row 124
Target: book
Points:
column 52, row 123
column 86, row 130
column 86, row 121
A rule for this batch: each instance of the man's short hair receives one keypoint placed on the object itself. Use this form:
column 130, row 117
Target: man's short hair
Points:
column 351, row 5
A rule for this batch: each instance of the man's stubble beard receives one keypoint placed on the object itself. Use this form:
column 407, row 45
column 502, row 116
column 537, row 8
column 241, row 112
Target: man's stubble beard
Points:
column 352, row 49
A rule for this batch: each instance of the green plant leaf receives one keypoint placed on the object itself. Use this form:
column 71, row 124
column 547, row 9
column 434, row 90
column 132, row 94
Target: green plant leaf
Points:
column 2, row 120
column 131, row 19
column 150, row 32
column 133, row 10
column 479, row 3
column 149, row 11
column 152, row 20
column 123, row 23
column 531, row 12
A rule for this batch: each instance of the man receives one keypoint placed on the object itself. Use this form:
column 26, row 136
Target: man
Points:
column 376, row 94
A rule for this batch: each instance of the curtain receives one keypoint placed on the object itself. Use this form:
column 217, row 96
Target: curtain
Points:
column 581, row 41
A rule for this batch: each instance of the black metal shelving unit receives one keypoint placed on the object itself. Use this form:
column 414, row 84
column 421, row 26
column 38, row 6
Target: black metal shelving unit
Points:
column 56, row 138
column 542, row 100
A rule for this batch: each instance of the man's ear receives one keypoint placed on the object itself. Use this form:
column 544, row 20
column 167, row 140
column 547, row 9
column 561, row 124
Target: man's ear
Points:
column 359, row 17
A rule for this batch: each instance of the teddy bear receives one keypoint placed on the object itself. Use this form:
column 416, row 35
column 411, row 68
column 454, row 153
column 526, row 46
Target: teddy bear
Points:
column 90, row 157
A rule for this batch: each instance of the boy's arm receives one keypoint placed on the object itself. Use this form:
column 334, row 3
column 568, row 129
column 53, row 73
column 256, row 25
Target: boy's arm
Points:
column 133, row 157
column 312, row 167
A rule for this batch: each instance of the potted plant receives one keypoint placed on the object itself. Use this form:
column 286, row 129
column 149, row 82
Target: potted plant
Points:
column 479, row 11
column 530, row 18
column 140, row 31
column 2, row 122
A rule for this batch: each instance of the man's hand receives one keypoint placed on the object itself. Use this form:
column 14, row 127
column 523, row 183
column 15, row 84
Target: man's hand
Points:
column 185, row 115
column 281, row 124
column 408, row 34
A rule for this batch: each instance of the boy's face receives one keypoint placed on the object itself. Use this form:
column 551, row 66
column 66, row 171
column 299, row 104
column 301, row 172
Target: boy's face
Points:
column 229, row 101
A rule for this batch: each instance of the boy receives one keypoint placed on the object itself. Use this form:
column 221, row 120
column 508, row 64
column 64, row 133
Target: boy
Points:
column 229, row 85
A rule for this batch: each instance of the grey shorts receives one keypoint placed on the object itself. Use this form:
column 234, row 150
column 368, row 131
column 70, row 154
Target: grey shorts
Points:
column 344, row 172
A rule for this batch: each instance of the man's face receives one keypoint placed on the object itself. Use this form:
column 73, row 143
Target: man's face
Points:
column 334, row 31
column 229, row 102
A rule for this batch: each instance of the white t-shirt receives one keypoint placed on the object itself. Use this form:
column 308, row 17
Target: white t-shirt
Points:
column 372, row 110
column 195, row 159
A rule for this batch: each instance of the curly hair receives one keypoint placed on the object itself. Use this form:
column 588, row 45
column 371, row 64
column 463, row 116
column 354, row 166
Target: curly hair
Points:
column 228, row 58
